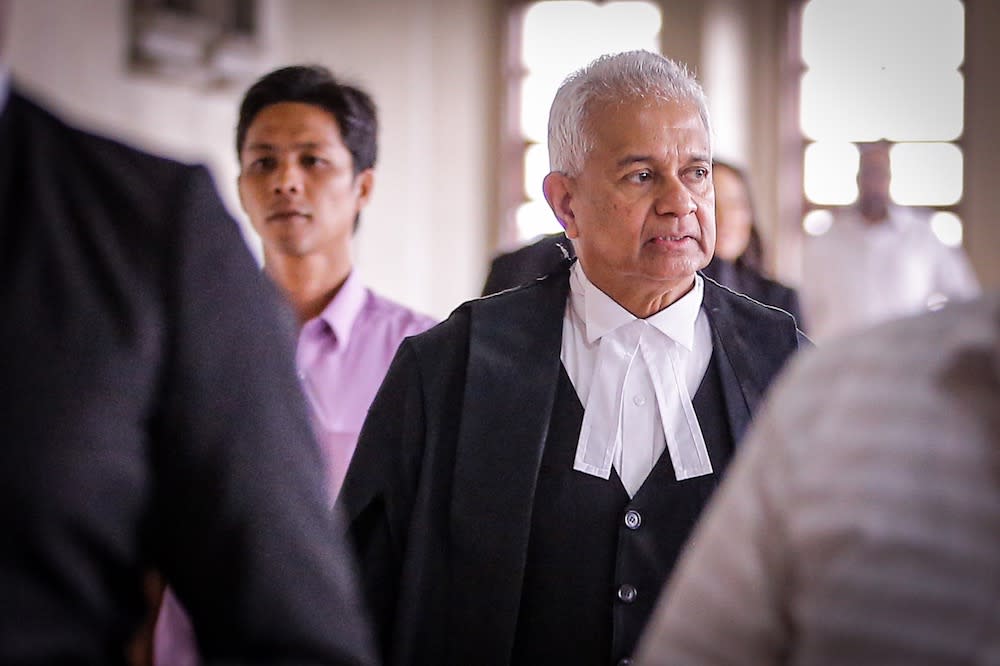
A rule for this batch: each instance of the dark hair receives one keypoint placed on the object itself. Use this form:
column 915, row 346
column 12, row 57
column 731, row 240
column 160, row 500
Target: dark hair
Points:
column 351, row 107
column 753, row 255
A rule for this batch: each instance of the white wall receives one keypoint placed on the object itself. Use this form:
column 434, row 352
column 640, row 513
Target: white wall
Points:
column 428, row 63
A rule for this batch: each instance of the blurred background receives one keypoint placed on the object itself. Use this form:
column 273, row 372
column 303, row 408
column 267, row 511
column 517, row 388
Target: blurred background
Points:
column 463, row 89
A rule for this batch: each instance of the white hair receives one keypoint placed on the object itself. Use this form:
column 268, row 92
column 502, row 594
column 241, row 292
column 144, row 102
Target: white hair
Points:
column 614, row 78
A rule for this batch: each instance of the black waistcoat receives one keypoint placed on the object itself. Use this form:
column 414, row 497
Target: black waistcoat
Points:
column 597, row 560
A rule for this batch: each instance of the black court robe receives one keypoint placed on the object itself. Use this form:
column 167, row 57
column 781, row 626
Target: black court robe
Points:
column 440, row 491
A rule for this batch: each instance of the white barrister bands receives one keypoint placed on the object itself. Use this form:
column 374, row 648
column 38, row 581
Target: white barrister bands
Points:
column 615, row 361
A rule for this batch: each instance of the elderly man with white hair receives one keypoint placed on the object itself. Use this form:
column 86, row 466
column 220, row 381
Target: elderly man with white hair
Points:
column 532, row 466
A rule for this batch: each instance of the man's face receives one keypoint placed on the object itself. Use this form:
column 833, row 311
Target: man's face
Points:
column 297, row 181
column 642, row 211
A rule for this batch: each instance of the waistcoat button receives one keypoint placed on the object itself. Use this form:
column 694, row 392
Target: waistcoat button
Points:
column 627, row 593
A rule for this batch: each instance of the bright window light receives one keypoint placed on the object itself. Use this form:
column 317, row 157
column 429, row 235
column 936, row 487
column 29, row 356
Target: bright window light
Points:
column 535, row 219
column 871, row 34
column 926, row 174
column 923, row 106
column 947, row 227
column 882, row 69
column 559, row 37
column 868, row 105
column 830, row 173
column 834, row 105
column 817, row 222
column 536, row 166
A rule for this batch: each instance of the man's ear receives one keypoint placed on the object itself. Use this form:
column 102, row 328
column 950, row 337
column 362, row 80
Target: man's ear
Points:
column 365, row 182
column 558, row 190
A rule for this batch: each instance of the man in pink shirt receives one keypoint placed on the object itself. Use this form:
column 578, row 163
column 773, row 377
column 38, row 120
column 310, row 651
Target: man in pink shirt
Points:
column 307, row 149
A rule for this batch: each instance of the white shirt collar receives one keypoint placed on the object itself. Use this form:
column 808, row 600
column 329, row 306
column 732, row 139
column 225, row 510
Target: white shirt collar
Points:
column 601, row 314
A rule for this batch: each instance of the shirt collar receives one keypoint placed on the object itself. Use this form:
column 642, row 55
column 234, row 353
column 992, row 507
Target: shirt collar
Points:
column 344, row 308
column 601, row 314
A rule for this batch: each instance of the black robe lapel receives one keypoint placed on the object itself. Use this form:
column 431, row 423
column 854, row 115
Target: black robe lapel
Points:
column 514, row 360
column 744, row 374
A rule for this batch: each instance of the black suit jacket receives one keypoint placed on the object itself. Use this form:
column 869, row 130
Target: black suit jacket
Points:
column 150, row 418
column 740, row 277
column 512, row 269
column 440, row 490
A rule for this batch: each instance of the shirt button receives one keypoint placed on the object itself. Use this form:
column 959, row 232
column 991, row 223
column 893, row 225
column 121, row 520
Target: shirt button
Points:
column 627, row 593
column 301, row 375
column 639, row 400
column 633, row 519
column 624, row 661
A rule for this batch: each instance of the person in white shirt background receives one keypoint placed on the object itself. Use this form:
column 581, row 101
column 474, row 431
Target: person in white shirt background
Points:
column 879, row 260
column 860, row 523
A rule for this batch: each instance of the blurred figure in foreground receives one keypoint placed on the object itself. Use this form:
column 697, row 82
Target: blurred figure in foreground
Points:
column 878, row 260
column 307, row 146
column 861, row 522
column 739, row 253
column 150, row 410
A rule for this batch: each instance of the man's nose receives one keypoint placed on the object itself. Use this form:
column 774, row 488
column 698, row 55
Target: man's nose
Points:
column 287, row 178
column 674, row 198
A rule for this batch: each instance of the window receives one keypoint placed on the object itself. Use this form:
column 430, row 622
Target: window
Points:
column 555, row 38
column 883, row 70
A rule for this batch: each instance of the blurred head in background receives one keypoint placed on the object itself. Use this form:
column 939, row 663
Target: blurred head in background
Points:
column 874, row 177
column 737, row 238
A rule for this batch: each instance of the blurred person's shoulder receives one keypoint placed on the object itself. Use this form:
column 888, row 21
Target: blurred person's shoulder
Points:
column 79, row 154
column 526, row 310
column 899, row 363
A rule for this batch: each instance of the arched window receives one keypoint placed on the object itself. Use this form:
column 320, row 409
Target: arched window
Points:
column 883, row 70
column 552, row 39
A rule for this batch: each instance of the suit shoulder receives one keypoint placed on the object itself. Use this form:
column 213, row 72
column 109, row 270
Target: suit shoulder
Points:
column 763, row 326
column 742, row 305
column 96, row 157
column 510, row 306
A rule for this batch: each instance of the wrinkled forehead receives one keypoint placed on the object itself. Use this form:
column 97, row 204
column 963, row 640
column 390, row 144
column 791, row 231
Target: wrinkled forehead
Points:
column 646, row 118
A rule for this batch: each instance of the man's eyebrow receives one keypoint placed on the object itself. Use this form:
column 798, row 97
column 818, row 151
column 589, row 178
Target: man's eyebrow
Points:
column 268, row 147
column 633, row 159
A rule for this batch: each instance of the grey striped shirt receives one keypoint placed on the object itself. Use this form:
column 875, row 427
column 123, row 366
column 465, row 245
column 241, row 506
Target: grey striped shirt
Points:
column 861, row 522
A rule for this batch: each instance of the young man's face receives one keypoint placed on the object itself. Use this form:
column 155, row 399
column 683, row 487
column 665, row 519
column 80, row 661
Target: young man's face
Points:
column 297, row 181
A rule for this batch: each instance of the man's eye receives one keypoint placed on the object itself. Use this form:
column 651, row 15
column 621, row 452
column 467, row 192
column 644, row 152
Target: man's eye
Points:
column 642, row 176
column 312, row 160
column 262, row 164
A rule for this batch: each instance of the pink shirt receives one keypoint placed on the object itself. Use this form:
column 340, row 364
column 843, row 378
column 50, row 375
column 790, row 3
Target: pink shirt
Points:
column 342, row 357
